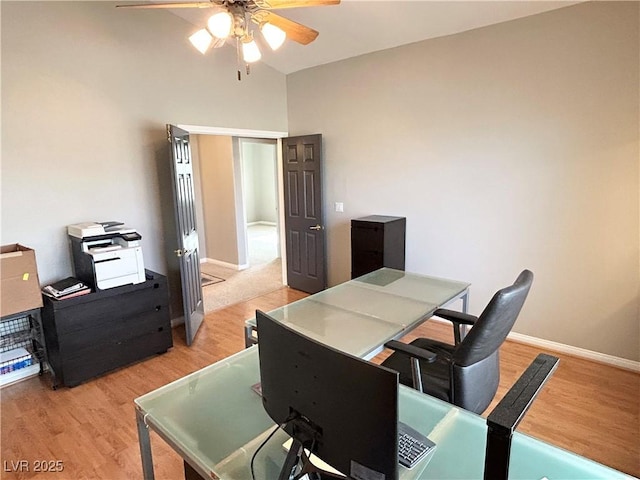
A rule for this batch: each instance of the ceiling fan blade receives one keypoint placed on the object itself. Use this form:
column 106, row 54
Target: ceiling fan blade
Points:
column 295, row 31
column 278, row 4
column 171, row 5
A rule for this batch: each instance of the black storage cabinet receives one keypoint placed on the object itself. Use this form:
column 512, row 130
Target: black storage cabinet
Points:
column 92, row 334
column 377, row 241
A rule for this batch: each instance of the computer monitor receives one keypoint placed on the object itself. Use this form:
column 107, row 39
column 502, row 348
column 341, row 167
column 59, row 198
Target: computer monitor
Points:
column 339, row 407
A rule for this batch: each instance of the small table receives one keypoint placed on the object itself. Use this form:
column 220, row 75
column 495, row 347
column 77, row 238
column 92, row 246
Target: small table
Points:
column 215, row 421
column 361, row 315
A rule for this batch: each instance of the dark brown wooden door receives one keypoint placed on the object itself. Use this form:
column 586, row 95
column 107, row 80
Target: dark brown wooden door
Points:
column 187, row 251
column 304, row 219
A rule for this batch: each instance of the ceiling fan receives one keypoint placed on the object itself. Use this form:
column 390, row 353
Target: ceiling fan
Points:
column 233, row 21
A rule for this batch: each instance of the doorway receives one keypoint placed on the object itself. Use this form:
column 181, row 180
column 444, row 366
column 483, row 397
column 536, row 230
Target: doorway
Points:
column 299, row 254
column 260, row 200
column 237, row 196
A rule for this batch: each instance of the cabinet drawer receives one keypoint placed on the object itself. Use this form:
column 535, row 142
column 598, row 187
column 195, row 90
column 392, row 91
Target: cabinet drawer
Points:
column 109, row 356
column 365, row 262
column 367, row 236
column 370, row 258
column 103, row 311
column 120, row 328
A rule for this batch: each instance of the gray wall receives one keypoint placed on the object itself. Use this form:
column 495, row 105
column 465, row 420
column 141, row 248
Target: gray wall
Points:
column 508, row 147
column 218, row 197
column 86, row 92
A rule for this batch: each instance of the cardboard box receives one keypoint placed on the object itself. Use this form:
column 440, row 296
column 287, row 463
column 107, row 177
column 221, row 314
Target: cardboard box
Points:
column 19, row 284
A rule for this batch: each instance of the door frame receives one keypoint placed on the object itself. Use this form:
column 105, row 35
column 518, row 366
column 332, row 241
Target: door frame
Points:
column 256, row 134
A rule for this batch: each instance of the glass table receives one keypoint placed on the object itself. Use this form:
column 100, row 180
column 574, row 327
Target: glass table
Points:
column 361, row 315
column 215, row 421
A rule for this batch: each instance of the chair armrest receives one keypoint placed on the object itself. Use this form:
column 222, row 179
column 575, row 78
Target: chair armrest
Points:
column 415, row 352
column 456, row 317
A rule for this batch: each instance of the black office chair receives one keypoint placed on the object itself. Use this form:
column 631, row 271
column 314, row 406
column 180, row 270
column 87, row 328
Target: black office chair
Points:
column 465, row 374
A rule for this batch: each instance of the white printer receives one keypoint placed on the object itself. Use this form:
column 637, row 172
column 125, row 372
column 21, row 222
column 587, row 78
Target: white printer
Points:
column 106, row 254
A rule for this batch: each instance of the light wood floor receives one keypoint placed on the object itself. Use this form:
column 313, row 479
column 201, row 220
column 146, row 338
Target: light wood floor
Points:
column 586, row 407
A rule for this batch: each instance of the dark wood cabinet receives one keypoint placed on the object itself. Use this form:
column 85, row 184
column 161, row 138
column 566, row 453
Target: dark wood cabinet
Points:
column 377, row 241
column 92, row 334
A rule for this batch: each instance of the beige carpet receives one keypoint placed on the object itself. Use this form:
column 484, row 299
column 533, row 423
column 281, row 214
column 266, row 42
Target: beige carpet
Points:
column 239, row 286
column 262, row 241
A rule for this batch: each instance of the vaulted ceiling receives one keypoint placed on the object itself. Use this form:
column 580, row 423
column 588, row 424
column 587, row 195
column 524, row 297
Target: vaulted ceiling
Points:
column 358, row 27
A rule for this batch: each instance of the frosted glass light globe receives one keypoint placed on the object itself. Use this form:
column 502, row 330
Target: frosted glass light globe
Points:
column 274, row 36
column 220, row 24
column 250, row 51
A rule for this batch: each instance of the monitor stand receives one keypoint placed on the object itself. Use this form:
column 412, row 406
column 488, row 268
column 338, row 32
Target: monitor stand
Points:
column 297, row 464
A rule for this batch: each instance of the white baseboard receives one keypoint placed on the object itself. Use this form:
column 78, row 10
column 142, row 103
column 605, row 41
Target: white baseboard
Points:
column 177, row 321
column 220, row 263
column 261, row 222
column 576, row 351
column 568, row 349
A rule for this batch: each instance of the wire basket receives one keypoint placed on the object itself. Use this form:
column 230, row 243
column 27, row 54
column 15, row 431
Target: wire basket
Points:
column 18, row 348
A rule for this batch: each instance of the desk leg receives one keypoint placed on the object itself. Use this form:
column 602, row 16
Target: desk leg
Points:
column 145, row 446
column 465, row 301
column 248, row 336
column 465, row 309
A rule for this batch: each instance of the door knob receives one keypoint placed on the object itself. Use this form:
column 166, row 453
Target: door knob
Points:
column 316, row 227
column 179, row 252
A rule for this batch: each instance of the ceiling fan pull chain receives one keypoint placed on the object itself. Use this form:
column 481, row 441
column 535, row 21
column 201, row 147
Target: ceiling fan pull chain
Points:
column 238, row 59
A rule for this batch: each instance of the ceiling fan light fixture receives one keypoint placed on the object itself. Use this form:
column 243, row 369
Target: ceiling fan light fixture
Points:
column 273, row 35
column 220, row 24
column 250, row 51
column 201, row 40
column 231, row 24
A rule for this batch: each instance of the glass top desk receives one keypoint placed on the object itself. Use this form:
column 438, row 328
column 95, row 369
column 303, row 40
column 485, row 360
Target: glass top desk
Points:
column 215, row 421
column 361, row 315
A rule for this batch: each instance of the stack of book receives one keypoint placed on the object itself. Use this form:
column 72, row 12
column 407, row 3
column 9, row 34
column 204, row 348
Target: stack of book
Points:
column 67, row 288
